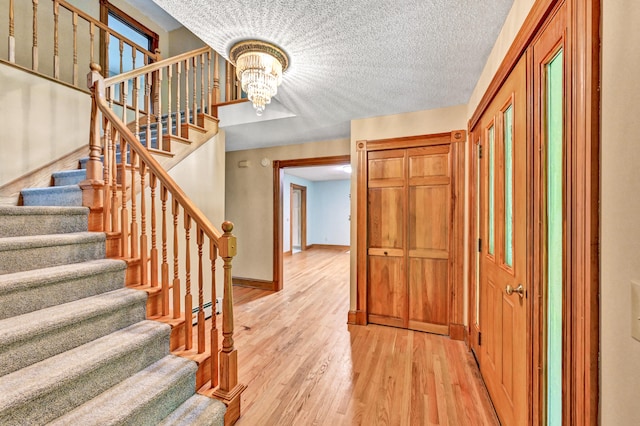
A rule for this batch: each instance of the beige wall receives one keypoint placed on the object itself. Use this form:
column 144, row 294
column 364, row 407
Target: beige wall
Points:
column 202, row 177
column 249, row 196
column 40, row 121
column 512, row 24
column 620, row 210
column 394, row 126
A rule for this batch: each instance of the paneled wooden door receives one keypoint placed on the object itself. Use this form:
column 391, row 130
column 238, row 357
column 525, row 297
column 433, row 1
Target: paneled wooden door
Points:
column 503, row 254
column 409, row 217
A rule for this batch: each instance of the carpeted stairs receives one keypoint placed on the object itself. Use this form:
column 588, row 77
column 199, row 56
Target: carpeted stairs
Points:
column 75, row 348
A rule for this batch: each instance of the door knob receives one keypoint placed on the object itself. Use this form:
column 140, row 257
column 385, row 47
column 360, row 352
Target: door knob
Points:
column 510, row 290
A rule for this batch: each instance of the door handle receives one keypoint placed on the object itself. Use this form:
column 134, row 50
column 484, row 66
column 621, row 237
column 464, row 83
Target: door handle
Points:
column 510, row 290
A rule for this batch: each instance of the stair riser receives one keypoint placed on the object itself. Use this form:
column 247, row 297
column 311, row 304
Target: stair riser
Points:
column 56, row 292
column 53, row 196
column 43, row 257
column 73, row 178
column 33, row 349
column 21, row 225
column 69, row 394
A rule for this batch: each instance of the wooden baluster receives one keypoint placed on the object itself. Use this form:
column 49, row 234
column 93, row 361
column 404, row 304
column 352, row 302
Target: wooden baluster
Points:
column 216, row 79
column 158, row 106
column 165, row 265
column 121, row 50
column 136, row 107
column 92, row 36
column 176, row 278
column 229, row 386
column 75, row 48
column 202, row 87
column 107, row 40
column 147, row 105
column 188, row 299
column 209, row 84
column 187, row 91
column 143, row 232
column 169, row 83
column 124, row 196
column 34, row 46
column 194, row 99
column 123, row 100
column 12, row 34
column 227, row 93
column 134, row 204
column 154, row 247
column 201, row 328
column 113, row 166
column 178, row 110
column 133, row 57
column 56, row 50
column 213, row 257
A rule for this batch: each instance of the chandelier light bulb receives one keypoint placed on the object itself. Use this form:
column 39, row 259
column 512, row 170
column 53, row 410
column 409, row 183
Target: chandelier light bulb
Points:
column 259, row 67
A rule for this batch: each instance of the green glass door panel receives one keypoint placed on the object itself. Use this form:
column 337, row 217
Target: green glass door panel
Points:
column 554, row 136
column 492, row 191
column 508, row 186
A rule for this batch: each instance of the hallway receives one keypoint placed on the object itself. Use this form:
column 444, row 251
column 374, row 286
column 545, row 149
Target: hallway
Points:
column 305, row 366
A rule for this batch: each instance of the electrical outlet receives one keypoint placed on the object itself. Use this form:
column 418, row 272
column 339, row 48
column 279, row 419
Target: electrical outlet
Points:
column 635, row 310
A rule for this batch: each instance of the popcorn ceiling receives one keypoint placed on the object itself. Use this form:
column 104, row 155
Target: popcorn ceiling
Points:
column 352, row 59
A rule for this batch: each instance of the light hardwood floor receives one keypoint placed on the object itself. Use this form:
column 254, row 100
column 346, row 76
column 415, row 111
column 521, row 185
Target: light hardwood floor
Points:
column 305, row 366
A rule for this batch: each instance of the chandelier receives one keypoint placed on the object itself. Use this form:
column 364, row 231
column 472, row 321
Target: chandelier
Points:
column 259, row 67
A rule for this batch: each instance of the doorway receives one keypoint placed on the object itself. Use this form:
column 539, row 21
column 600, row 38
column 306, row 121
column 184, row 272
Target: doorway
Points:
column 279, row 224
column 298, row 218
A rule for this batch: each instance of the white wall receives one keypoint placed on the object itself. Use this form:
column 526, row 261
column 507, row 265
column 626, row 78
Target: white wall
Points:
column 329, row 222
column 620, row 211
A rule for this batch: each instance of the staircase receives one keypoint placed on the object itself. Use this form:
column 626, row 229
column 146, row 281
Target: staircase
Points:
column 75, row 346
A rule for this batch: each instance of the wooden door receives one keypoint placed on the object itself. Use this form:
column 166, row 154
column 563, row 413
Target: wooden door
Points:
column 387, row 217
column 429, row 229
column 503, row 255
column 409, row 217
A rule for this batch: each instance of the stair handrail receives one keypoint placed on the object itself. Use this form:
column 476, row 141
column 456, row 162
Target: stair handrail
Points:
column 135, row 157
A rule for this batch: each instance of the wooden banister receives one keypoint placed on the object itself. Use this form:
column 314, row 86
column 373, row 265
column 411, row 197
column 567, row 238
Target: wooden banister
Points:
column 138, row 173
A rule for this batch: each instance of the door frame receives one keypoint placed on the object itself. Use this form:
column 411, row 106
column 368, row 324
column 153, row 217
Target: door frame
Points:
column 278, row 166
column 580, row 384
column 457, row 140
column 303, row 216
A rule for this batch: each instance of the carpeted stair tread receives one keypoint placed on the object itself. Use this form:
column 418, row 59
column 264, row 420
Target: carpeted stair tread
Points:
column 42, row 251
column 67, row 195
column 38, row 220
column 69, row 177
column 143, row 399
column 197, row 411
column 32, row 337
column 44, row 391
column 27, row 291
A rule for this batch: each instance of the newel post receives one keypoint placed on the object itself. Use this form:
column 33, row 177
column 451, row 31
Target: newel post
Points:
column 92, row 187
column 229, row 390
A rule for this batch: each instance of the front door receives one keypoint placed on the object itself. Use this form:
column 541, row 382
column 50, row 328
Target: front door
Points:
column 503, row 253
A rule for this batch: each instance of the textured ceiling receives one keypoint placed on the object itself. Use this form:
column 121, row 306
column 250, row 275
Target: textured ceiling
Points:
column 352, row 59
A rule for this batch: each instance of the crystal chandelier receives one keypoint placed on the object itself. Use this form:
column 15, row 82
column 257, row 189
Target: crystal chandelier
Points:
column 259, row 67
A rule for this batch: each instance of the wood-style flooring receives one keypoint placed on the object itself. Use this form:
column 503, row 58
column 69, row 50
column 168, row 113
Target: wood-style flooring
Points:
column 305, row 366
